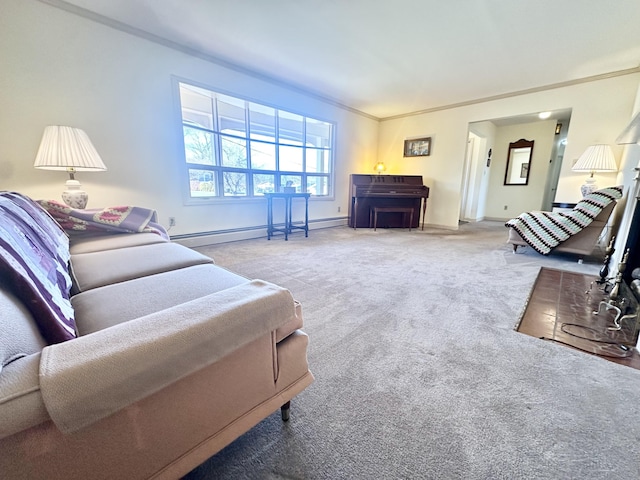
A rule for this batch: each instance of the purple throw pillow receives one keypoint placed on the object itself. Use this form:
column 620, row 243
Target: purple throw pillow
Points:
column 34, row 256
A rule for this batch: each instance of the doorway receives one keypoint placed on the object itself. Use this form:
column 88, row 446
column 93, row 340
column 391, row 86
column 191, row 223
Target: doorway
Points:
column 557, row 155
column 479, row 170
column 470, row 200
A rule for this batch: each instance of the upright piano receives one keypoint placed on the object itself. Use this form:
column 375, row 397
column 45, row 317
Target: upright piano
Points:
column 368, row 191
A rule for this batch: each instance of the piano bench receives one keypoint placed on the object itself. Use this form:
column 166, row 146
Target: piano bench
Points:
column 403, row 210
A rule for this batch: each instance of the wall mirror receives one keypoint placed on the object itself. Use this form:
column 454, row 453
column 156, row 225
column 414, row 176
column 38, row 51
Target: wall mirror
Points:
column 518, row 162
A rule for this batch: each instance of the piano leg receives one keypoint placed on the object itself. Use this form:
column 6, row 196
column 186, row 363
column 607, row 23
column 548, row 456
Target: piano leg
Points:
column 355, row 213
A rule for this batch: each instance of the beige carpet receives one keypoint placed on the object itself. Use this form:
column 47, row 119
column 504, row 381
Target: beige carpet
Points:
column 419, row 371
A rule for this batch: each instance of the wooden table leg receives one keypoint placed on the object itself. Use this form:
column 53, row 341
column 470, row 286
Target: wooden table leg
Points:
column 287, row 218
column 306, row 216
column 269, row 218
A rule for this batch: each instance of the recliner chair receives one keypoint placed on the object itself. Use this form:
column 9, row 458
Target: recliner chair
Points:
column 582, row 243
column 576, row 231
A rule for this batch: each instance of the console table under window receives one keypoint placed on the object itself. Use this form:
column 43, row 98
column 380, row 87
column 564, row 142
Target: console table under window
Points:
column 288, row 223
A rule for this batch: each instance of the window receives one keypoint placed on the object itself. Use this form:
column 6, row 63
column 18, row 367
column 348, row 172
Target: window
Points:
column 237, row 148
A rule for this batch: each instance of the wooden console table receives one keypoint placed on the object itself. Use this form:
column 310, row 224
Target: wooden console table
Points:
column 288, row 224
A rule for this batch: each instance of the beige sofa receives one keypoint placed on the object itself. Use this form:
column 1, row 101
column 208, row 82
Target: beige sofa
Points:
column 173, row 358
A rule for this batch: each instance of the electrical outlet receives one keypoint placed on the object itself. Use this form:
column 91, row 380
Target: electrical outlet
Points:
column 505, row 207
column 172, row 221
column 338, row 209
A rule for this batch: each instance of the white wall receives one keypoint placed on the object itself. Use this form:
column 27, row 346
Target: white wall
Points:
column 61, row 69
column 58, row 68
column 487, row 131
column 469, row 190
column 601, row 109
column 627, row 176
column 519, row 198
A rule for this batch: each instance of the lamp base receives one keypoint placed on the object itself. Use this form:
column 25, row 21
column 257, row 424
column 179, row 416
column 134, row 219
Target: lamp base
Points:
column 74, row 196
column 589, row 186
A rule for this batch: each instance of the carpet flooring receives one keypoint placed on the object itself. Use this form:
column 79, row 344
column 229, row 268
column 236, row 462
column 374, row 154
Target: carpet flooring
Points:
column 419, row 370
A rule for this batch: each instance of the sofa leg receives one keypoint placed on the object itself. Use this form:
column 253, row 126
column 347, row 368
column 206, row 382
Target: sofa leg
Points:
column 515, row 248
column 285, row 411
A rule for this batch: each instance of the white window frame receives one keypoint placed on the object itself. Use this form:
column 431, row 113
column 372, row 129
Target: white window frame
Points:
column 216, row 172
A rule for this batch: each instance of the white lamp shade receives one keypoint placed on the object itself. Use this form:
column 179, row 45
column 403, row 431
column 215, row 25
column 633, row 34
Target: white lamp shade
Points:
column 596, row 158
column 68, row 149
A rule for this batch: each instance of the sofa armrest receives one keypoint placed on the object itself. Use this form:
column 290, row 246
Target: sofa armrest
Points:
column 94, row 376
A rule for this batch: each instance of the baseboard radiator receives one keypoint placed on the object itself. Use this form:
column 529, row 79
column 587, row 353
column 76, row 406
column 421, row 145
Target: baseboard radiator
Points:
column 246, row 233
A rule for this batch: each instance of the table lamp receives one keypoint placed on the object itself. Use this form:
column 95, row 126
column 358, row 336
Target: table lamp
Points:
column 380, row 167
column 69, row 149
column 596, row 158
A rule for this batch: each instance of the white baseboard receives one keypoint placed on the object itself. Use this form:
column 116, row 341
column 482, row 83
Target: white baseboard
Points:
column 442, row 227
column 223, row 236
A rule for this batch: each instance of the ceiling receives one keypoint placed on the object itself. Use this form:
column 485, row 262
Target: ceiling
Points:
column 387, row 58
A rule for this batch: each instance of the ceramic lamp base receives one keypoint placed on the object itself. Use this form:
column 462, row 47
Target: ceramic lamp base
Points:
column 74, row 196
column 589, row 187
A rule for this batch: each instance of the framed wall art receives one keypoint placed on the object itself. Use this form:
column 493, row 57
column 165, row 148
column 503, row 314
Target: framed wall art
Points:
column 417, row 147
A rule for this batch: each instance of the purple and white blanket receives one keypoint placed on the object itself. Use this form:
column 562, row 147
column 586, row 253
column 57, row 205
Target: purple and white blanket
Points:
column 545, row 230
column 124, row 219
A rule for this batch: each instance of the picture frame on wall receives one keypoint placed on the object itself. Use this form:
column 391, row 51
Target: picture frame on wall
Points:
column 417, row 147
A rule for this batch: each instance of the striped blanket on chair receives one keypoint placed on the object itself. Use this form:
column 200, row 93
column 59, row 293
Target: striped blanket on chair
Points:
column 545, row 230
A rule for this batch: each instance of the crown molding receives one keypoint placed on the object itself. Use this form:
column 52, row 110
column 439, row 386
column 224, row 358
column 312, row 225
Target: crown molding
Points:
column 123, row 27
column 517, row 93
column 137, row 32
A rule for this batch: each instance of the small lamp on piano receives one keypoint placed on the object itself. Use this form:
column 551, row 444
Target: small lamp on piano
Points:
column 380, row 167
column 596, row 158
column 69, row 149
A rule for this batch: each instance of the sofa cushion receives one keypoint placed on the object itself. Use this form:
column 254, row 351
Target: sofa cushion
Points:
column 97, row 269
column 34, row 256
column 96, row 310
column 111, row 241
column 21, row 403
column 19, row 334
